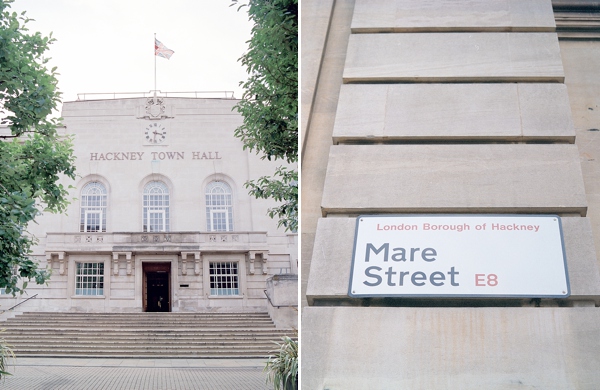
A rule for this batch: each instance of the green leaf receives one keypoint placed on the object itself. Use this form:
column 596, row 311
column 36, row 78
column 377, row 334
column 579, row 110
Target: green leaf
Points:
column 31, row 164
column 269, row 105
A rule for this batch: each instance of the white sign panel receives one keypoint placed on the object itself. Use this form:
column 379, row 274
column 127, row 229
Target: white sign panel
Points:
column 459, row 256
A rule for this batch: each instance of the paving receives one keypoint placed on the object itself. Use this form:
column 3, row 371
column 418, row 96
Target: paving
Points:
column 132, row 374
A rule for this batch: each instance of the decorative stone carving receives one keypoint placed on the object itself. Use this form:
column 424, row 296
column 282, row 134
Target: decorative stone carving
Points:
column 223, row 238
column 197, row 266
column 252, row 257
column 264, row 264
column 184, row 265
column 77, row 239
column 61, row 261
column 197, row 259
column 116, row 262
column 155, row 108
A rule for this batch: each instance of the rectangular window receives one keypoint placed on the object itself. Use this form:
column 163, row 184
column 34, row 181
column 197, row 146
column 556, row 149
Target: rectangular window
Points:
column 156, row 213
column 89, row 279
column 93, row 221
column 156, row 221
column 224, row 278
column 218, row 220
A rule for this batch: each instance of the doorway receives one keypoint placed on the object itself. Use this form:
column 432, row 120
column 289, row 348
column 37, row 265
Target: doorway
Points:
column 157, row 291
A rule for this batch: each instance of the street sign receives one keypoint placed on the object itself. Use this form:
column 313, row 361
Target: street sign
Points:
column 514, row 256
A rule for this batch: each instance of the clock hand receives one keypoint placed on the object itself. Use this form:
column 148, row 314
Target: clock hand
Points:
column 155, row 134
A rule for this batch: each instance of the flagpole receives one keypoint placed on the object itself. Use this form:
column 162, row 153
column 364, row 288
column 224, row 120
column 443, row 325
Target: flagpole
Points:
column 155, row 65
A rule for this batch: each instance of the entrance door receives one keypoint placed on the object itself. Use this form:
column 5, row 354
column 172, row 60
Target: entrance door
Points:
column 157, row 294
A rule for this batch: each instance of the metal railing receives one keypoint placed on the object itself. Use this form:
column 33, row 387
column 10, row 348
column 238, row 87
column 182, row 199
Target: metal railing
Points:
column 158, row 93
column 20, row 303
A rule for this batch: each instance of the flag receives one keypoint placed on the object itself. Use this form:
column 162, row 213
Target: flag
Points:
column 161, row 50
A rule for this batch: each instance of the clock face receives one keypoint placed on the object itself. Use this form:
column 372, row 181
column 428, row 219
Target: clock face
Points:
column 155, row 133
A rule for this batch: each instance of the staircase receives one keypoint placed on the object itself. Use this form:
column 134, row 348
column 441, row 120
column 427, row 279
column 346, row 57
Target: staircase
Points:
column 143, row 335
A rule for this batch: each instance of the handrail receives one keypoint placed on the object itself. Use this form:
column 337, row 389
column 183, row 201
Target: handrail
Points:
column 31, row 297
column 271, row 302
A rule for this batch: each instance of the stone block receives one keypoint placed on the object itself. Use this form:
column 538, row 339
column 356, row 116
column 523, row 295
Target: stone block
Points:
column 482, row 178
column 450, row 57
column 582, row 264
column 450, row 348
column 545, row 112
column 282, row 289
column 332, row 259
column 505, row 112
column 452, row 15
column 316, row 15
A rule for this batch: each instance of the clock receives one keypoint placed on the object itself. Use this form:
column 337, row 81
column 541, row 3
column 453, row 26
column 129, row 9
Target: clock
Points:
column 155, row 133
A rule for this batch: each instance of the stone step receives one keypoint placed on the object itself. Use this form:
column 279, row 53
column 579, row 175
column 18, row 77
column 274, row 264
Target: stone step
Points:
column 257, row 354
column 143, row 348
column 172, row 335
column 137, row 343
column 14, row 339
column 146, row 351
column 138, row 321
column 141, row 320
column 232, row 321
column 144, row 314
column 148, row 327
column 146, row 332
column 145, row 324
column 140, row 334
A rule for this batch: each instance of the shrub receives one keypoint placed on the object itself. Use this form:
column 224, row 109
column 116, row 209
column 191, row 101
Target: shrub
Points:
column 5, row 354
column 282, row 367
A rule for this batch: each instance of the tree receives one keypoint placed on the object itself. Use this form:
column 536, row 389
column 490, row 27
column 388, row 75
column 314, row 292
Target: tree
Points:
column 269, row 105
column 32, row 155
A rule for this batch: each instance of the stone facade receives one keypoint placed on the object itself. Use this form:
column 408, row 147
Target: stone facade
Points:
column 160, row 219
column 453, row 107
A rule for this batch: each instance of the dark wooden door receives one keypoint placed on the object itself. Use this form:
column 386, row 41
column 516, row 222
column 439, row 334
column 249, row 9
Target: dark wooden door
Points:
column 157, row 292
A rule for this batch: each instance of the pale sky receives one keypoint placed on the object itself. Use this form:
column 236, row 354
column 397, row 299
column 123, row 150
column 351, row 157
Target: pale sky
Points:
column 108, row 45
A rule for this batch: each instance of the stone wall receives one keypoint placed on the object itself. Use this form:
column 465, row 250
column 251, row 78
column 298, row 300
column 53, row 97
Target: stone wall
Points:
column 454, row 107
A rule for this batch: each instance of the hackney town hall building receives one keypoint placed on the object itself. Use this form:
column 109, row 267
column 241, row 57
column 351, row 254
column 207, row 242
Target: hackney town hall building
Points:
column 159, row 218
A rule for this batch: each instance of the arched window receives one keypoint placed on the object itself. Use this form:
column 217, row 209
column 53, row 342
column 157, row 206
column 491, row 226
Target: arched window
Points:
column 156, row 207
column 219, row 208
column 93, row 208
